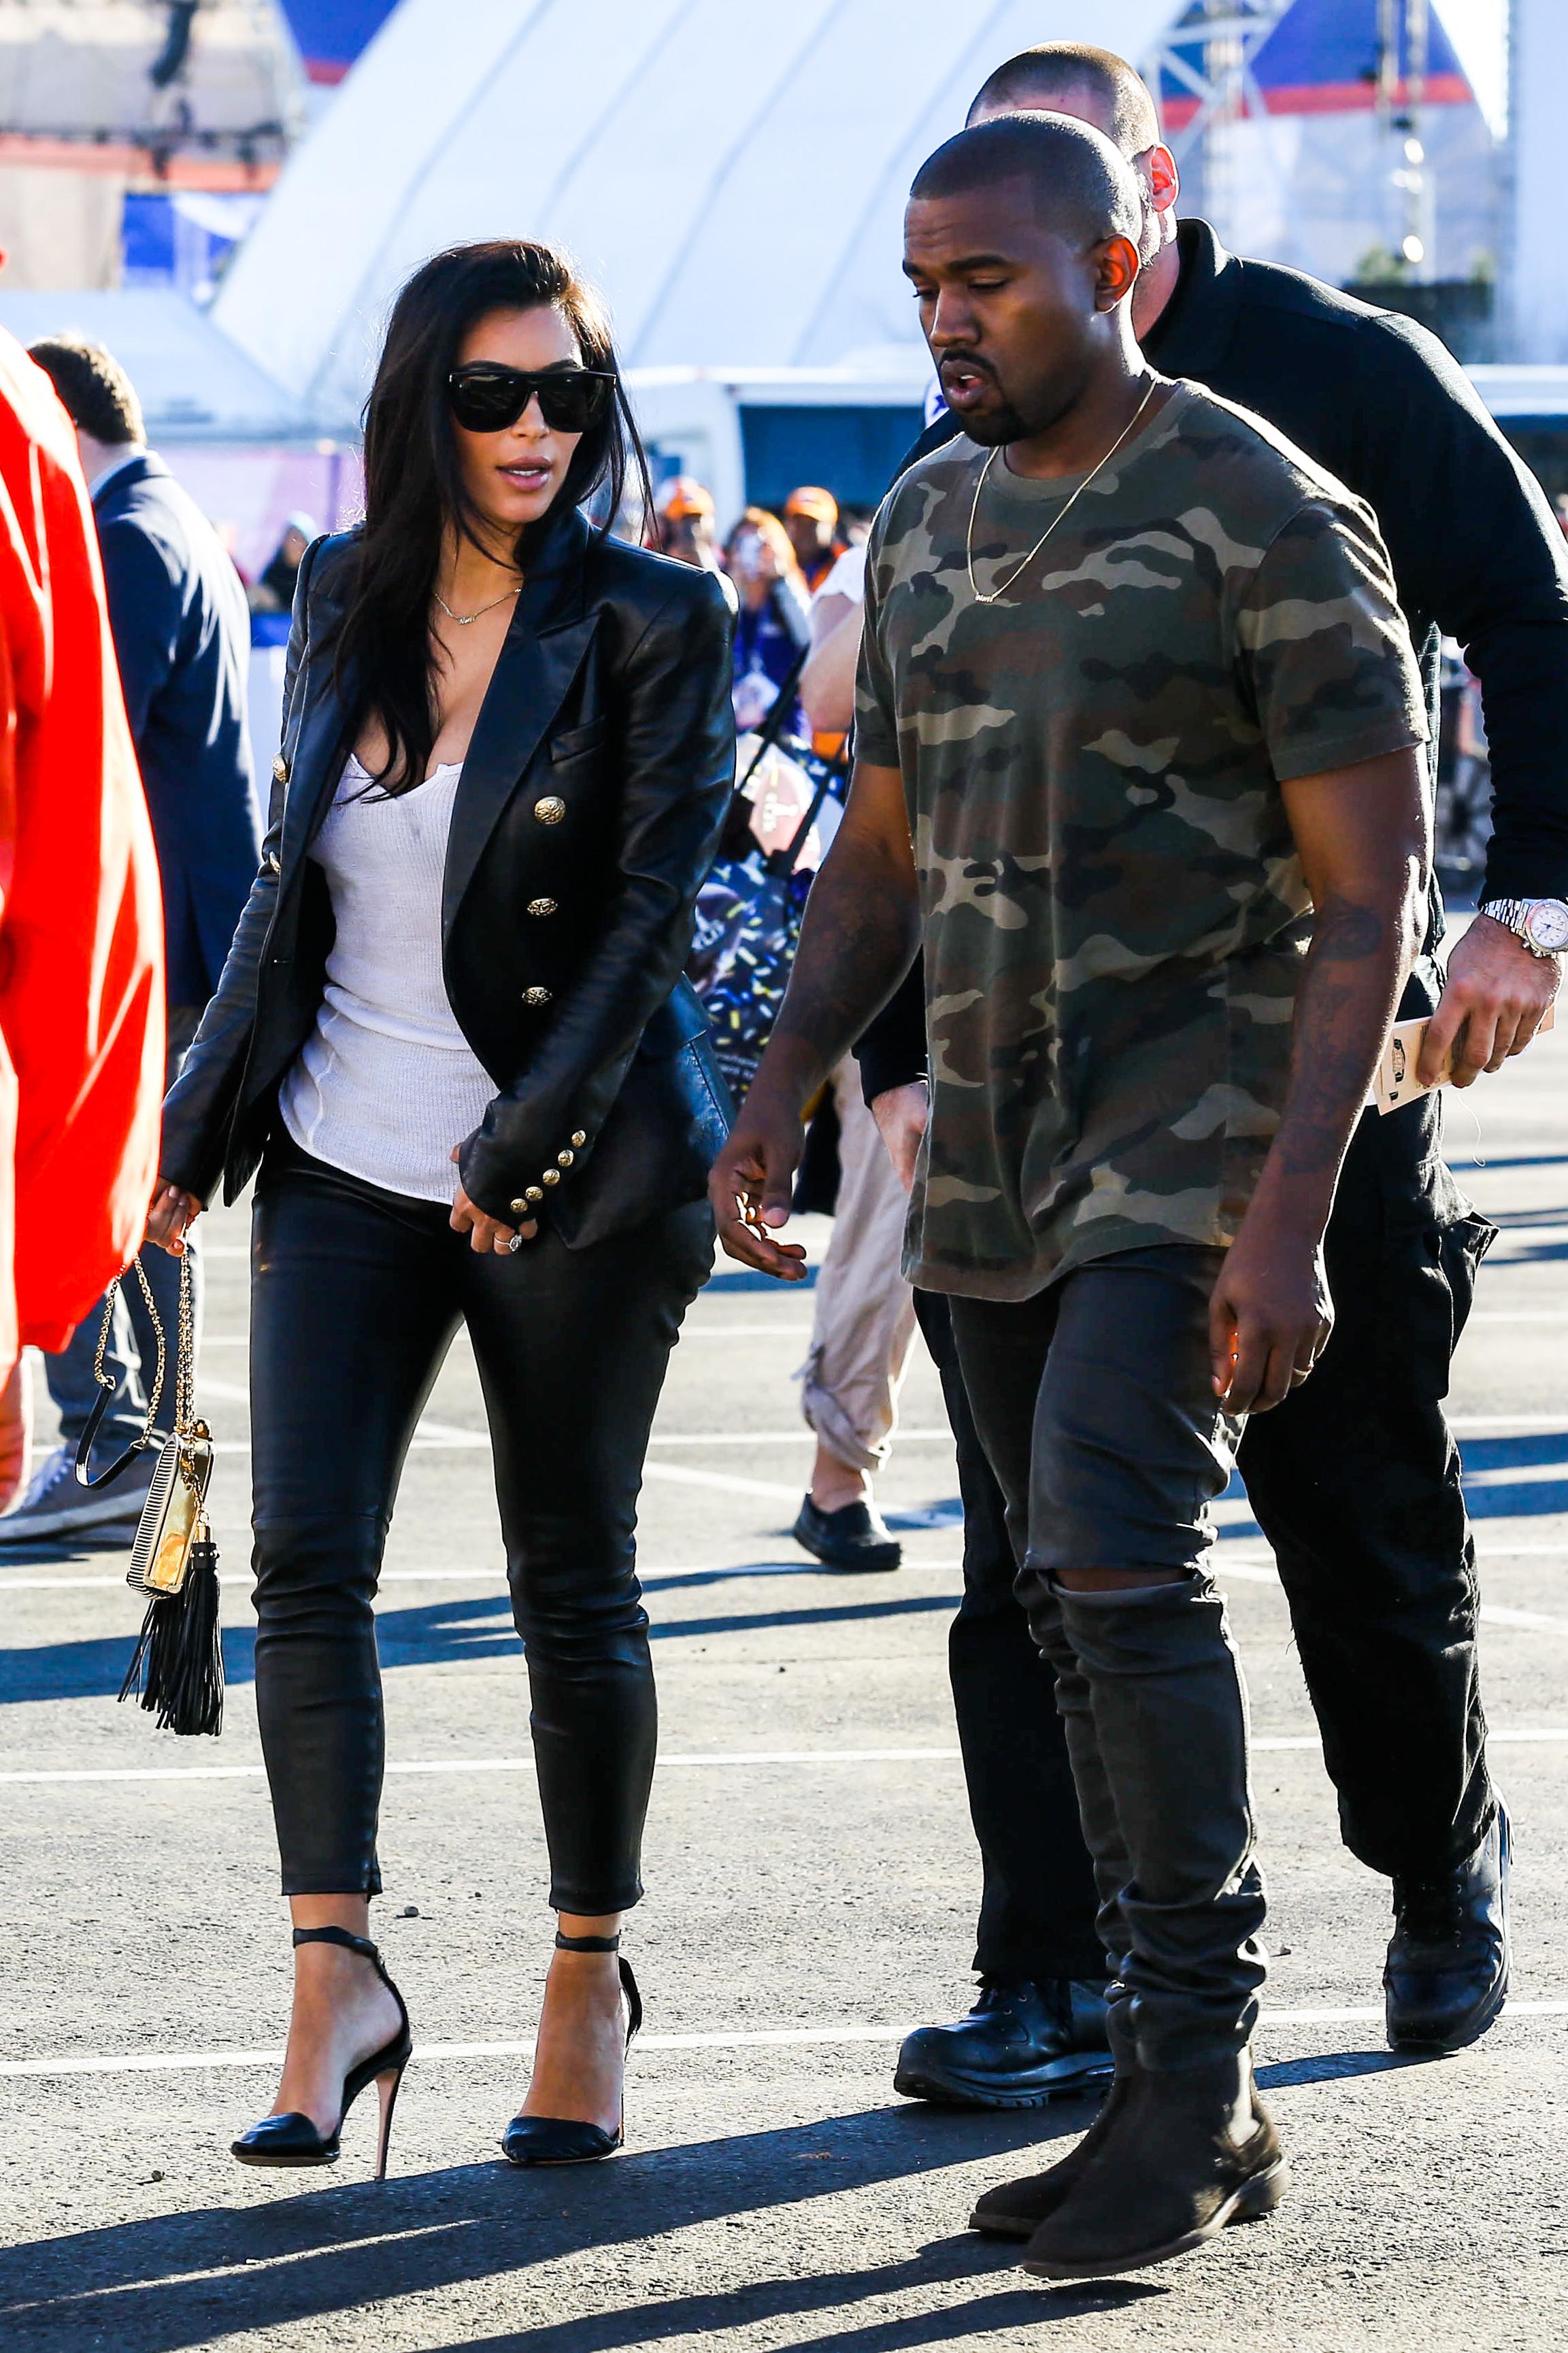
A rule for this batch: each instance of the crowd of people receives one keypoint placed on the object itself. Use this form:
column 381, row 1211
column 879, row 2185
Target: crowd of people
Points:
column 1137, row 665
column 795, row 581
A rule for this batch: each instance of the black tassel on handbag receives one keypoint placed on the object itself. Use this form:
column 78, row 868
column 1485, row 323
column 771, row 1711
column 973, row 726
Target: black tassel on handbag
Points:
column 176, row 1668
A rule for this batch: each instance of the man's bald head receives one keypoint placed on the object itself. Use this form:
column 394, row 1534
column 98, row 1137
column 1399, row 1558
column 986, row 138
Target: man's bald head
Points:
column 1079, row 184
column 1109, row 94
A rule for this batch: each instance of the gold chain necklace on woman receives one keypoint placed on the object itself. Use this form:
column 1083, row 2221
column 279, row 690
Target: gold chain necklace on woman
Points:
column 467, row 620
column 1000, row 591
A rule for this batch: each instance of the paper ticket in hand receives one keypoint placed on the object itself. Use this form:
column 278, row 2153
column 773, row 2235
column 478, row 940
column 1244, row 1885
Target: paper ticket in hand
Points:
column 1396, row 1082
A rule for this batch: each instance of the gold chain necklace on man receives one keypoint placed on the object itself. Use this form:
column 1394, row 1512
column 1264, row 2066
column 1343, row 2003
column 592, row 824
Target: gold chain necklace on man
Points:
column 999, row 592
column 467, row 620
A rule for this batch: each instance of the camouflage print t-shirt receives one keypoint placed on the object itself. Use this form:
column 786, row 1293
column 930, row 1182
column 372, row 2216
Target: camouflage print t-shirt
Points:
column 1115, row 915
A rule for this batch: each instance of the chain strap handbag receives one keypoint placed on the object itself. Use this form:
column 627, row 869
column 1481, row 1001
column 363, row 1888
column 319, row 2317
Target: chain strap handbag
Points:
column 176, row 1668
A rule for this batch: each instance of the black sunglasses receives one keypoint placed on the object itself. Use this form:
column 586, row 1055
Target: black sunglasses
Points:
column 486, row 397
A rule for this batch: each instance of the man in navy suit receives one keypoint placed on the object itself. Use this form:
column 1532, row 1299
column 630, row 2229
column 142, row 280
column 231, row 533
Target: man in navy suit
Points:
column 182, row 635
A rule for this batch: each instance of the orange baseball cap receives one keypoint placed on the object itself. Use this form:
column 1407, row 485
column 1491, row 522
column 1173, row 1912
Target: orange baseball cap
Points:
column 685, row 499
column 820, row 505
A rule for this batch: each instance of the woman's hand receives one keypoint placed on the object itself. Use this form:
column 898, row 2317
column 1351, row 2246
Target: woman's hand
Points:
column 487, row 1233
column 173, row 1213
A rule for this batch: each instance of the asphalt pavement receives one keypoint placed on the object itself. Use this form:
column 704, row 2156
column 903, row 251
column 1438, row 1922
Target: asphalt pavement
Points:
column 812, row 1884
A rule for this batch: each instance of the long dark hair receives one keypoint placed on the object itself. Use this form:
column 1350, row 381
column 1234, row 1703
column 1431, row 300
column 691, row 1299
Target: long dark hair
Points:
column 414, row 485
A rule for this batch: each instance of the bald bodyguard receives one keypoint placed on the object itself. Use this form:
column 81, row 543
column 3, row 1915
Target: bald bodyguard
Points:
column 1138, row 724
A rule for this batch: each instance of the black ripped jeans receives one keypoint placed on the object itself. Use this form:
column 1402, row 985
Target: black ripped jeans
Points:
column 356, row 1296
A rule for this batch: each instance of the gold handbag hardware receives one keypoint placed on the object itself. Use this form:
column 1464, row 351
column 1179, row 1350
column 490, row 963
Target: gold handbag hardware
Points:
column 173, row 1517
column 176, row 1669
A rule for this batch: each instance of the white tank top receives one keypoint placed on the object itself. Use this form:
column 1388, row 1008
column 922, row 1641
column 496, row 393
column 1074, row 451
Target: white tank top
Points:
column 387, row 1082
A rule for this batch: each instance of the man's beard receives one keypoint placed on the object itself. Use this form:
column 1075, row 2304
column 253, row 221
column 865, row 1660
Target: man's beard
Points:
column 992, row 432
column 1006, row 423
column 1003, row 424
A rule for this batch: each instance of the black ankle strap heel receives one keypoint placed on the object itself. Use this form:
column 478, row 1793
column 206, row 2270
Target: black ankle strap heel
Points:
column 294, row 2139
column 351, row 1943
column 628, row 1983
column 338, row 1936
column 563, row 2140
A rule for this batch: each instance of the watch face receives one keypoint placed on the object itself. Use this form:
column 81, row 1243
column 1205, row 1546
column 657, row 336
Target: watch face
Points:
column 1547, row 925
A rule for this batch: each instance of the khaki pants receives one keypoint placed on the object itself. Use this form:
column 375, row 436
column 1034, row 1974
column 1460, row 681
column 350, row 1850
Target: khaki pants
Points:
column 865, row 1310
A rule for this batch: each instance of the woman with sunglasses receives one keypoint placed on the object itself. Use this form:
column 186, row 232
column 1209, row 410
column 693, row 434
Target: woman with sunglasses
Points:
column 453, row 1034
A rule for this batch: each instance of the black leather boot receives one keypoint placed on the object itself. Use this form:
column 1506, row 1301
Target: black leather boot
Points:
column 1446, row 1976
column 1017, row 2208
column 1166, row 2176
column 1021, row 2045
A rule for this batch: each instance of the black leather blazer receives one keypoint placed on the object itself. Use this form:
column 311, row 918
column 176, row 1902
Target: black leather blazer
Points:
column 584, row 824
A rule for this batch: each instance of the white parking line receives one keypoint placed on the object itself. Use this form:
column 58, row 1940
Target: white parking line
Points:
column 679, row 1474
column 1491, row 1613
column 702, row 1760
column 1517, row 1315
column 451, row 1433
column 146, row 2063
column 493, row 1582
column 1464, row 1422
column 745, row 1331
column 1224, row 1565
column 1519, row 1474
column 787, row 1437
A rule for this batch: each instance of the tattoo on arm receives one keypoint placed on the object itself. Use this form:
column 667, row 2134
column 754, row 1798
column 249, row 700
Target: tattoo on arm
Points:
column 1348, row 989
column 859, row 938
column 1347, row 934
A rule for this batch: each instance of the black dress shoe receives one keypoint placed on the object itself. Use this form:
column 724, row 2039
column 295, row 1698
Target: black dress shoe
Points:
column 1446, row 1976
column 1020, row 2046
column 852, row 1537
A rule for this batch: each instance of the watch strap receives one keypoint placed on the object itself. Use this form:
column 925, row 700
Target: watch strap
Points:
column 1514, row 915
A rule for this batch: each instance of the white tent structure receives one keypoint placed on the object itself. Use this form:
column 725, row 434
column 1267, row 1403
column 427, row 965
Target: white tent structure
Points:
column 731, row 172
column 1535, row 279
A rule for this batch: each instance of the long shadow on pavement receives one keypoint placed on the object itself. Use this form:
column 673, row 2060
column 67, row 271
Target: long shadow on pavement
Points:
column 183, row 2280
column 1514, row 1499
column 441, row 1634
column 1028, row 2307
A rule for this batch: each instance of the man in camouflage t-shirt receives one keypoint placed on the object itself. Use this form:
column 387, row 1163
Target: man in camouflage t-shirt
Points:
column 1114, row 910
column 1137, row 761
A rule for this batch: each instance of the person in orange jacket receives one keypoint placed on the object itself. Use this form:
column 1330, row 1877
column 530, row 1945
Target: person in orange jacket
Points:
column 81, row 944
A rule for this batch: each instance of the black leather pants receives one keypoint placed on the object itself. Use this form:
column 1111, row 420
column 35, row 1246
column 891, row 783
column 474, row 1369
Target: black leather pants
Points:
column 357, row 1295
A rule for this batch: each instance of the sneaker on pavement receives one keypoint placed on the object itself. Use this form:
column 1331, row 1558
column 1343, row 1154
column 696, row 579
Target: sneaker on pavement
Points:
column 1020, row 2046
column 56, row 1506
column 1446, row 1976
column 852, row 1537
